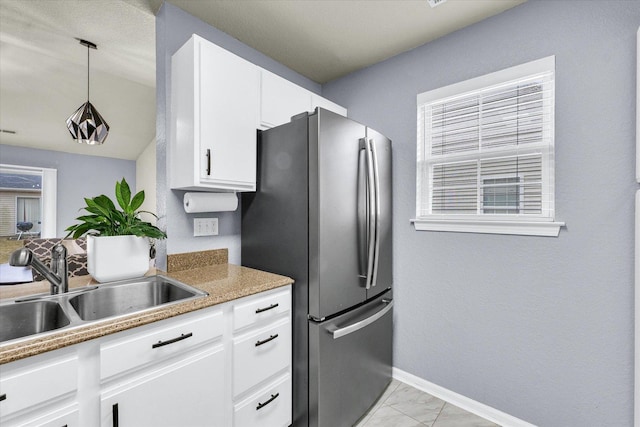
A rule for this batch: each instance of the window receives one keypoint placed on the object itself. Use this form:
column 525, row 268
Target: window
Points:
column 485, row 154
column 28, row 194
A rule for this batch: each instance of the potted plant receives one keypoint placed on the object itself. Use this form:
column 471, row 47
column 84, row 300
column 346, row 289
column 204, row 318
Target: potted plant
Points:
column 118, row 241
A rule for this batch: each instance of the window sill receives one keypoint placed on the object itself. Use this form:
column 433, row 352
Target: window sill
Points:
column 523, row 228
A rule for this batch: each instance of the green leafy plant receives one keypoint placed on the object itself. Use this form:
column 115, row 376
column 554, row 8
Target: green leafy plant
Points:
column 105, row 219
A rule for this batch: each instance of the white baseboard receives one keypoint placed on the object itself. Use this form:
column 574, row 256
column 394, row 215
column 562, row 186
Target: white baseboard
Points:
column 460, row 401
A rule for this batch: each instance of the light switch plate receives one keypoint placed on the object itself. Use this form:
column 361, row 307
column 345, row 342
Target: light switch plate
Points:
column 205, row 227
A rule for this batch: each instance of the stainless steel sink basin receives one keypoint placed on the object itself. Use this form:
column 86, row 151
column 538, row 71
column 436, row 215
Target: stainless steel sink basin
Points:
column 22, row 319
column 127, row 298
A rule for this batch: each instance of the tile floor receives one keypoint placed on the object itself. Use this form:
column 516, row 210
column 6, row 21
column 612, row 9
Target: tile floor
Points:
column 404, row 406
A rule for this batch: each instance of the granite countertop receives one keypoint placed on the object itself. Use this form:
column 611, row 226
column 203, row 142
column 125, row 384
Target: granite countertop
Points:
column 222, row 281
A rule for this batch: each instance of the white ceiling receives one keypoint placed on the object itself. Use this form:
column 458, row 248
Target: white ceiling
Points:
column 326, row 39
column 43, row 69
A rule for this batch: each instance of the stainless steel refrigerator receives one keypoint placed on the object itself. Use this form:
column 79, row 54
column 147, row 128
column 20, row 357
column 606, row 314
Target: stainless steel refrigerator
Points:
column 322, row 215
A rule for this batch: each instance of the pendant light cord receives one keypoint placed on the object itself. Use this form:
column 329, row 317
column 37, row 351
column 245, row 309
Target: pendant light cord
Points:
column 87, row 73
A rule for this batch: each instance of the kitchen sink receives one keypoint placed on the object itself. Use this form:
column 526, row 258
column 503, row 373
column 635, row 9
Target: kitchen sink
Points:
column 36, row 315
column 23, row 319
column 115, row 300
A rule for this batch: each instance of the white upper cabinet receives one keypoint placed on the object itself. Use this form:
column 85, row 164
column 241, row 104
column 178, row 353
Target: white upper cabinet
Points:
column 214, row 115
column 218, row 101
column 281, row 99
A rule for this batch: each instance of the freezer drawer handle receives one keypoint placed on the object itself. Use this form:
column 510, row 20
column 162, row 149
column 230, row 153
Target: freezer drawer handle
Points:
column 262, row 405
column 260, row 310
column 361, row 324
column 171, row 341
column 271, row 338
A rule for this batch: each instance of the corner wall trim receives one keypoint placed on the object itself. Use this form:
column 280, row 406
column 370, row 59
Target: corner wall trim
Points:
column 459, row 400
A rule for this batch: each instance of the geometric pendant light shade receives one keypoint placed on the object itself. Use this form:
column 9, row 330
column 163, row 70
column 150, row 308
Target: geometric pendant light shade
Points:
column 86, row 125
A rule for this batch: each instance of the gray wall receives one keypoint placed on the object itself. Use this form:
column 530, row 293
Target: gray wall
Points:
column 173, row 29
column 540, row 328
column 79, row 176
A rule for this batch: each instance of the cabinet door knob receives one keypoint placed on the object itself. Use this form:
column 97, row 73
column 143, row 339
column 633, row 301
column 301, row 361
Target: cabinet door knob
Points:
column 262, row 405
column 271, row 338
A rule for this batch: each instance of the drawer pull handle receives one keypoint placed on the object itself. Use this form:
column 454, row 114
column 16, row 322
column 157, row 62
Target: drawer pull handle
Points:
column 271, row 338
column 272, row 306
column 3, row 396
column 262, row 405
column 171, row 341
column 114, row 413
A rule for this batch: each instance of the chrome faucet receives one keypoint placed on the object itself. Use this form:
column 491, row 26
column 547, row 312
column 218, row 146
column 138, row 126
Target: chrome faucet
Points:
column 57, row 274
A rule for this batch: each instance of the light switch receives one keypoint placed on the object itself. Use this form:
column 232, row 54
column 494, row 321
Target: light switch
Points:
column 205, row 227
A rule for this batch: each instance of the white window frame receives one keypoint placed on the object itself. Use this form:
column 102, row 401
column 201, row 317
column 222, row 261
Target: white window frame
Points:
column 48, row 195
column 543, row 225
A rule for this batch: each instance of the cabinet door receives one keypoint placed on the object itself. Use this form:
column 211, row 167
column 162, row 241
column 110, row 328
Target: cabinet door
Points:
column 228, row 98
column 281, row 99
column 28, row 384
column 187, row 393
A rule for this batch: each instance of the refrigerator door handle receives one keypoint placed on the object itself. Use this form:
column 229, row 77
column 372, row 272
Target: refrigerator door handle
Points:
column 376, row 181
column 338, row 333
column 372, row 214
column 363, row 212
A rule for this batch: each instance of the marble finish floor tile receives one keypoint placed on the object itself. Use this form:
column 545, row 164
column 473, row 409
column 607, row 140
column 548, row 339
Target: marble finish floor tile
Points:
column 452, row 416
column 404, row 406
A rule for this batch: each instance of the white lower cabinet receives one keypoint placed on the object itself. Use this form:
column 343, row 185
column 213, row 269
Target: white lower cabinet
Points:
column 225, row 365
column 187, row 393
column 260, row 355
column 269, row 406
column 33, row 391
column 262, row 360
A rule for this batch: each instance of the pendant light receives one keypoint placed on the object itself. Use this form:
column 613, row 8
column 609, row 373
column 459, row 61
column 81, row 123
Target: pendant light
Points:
column 86, row 125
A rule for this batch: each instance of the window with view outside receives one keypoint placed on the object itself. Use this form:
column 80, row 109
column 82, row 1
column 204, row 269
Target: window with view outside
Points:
column 486, row 149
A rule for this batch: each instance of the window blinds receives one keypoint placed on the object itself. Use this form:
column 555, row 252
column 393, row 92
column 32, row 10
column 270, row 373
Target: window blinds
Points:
column 489, row 151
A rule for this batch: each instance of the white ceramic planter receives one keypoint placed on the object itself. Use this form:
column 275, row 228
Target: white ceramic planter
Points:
column 117, row 257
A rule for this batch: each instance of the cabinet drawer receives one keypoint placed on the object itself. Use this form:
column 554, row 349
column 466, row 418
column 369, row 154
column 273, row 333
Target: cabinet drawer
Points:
column 260, row 354
column 38, row 383
column 269, row 407
column 261, row 309
column 161, row 341
column 66, row 417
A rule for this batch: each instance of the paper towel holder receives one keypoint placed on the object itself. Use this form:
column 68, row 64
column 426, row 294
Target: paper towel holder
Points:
column 199, row 202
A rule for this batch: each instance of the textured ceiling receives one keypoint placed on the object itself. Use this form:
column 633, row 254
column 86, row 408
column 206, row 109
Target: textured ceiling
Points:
column 326, row 39
column 43, row 73
column 43, row 69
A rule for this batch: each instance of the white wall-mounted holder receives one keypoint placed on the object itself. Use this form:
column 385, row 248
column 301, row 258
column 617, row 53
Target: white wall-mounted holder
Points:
column 210, row 202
